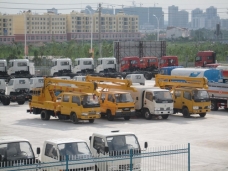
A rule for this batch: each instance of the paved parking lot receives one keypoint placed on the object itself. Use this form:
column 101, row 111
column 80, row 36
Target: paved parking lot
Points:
column 208, row 136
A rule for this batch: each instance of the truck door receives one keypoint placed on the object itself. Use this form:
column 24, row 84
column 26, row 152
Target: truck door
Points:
column 103, row 102
column 75, row 105
column 148, row 101
column 50, row 154
column 65, row 104
column 177, row 97
column 111, row 103
column 187, row 100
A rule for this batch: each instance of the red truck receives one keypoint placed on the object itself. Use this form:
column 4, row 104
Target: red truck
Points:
column 168, row 61
column 205, row 57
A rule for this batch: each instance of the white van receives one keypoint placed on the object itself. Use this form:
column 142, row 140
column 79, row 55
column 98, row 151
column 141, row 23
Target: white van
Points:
column 136, row 78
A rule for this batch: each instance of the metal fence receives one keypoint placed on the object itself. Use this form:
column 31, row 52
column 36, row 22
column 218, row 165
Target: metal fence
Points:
column 175, row 158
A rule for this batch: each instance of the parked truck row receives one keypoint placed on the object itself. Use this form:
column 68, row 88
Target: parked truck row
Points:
column 16, row 151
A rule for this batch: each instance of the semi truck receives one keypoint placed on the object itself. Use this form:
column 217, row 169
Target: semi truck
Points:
column 16, row 151
column 67, row 103
column 116, row 144
column 189, row 94
column 205, row 57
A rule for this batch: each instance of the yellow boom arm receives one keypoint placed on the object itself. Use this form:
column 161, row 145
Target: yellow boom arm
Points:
column 171, row 82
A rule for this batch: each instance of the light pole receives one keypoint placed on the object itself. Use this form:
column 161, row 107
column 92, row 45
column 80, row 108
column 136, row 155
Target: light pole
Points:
column 91, row 40
column 158, row 19
column 25, row 25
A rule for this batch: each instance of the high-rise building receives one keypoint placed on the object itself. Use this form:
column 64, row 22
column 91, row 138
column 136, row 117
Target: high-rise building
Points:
column 183, row 19
column 173, row 16
column 197, row 19
column 211, row 12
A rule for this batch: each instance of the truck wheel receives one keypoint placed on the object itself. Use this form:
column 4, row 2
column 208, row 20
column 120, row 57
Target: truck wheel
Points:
column 55, row 74
column 21, row 102
column 202, row 115
column 91, row 121
column 147, row 114
column 127, row 118
column 74, row 118
column 109, row 116
column 5, row 101
column 185, row 112
column 147, row 76
column 165, row 116
column 214, row 106
column 44, row 115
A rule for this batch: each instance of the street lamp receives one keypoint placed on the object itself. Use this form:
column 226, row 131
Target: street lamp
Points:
column 25, row 25
column 91, row 41
column 158, row 19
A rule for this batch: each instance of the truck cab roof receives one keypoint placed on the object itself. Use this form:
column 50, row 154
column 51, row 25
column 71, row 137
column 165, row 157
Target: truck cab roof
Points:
column 111, row 133
column 64, row 140
column 10, row 139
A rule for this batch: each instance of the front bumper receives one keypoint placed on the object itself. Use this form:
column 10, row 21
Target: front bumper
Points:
column 198, row 111
column 163, row 112
column 96, row 116
column 122, row 114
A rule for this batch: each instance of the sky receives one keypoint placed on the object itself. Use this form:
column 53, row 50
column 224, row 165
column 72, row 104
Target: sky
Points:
column 66, row 6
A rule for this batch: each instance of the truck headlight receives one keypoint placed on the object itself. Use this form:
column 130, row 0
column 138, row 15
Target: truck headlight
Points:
column 98, row 113
column 84, row 114
column 195, row 107
column 118, row 110
column 132, row 110
column 156, row 108
column 112, row 168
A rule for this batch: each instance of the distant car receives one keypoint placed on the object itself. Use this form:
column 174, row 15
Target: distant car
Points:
column 136, row 78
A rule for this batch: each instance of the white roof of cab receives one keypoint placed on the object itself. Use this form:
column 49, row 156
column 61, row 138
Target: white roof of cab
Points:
column 61, row 59
column 106, row 58
column 112, row 133
column 19, row 79
column 64, row 140
column 10, row 139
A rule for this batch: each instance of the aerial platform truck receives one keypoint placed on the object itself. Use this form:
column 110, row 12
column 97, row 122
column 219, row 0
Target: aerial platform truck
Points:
column 75, row 103
column 189, row 94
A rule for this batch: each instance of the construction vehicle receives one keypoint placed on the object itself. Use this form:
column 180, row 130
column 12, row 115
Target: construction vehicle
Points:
column 218, row 93
column 78, row 152
column 17, row 90
column 116, row 103
column 205, row 57
column 17, row 151
column 67, row 103
column 189, row 94
column 115, row 144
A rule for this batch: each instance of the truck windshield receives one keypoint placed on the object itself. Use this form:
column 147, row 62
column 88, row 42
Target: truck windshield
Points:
column 75, row 150
column 123, row 143
column 90, row 101
column 163, row 97
column 200, row 95
column 16, row 151
column 123, row 97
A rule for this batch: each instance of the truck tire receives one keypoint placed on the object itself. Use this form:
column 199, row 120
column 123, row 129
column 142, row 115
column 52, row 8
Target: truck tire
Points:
column 147, row 114
column 91, row 121
column 21, row 102
column 74, row 118
column 185, row 112
column 110, row 117
column 147, row 76
column 127, row 118
column 202, row 115
column 165, row 116
column 214, row 106
column 5, row 101
column 55, row 74
column 44, row 115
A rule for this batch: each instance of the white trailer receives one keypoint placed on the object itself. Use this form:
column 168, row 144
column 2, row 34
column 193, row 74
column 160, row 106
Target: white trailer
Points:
column 83, row 65
column 212, row 75
column 61, row 66
column 106, row 65
column 113, row 145
column 56, row 150
column 218, row 93
column 152, row 101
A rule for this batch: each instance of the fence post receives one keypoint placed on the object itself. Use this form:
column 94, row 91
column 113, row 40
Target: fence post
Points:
column 67, row 158
column 188, row 156
column 131, row 156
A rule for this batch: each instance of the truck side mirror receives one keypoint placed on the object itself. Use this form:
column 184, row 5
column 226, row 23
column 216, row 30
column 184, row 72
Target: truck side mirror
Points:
column 90, row 138
column 38, row 150
column 106, row 149
column 145, row 145
column 137, row 98
column 98, row 151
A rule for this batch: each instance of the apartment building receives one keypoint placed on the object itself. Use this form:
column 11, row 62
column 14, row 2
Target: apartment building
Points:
column 64, row 27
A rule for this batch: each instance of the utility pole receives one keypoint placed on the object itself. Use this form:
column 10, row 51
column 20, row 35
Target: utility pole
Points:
column 99, row 9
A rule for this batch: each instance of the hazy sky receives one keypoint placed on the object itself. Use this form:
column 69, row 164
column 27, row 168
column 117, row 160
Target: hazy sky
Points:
column 66, row 6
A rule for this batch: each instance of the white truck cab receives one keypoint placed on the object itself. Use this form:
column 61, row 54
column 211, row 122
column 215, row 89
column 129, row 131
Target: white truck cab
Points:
column 3, row 66
column 64, row 78
column 113, row 144
column 20, row 66
column 106, row 65
column 16, row 151
column 151, row 101
column 136, row 78
column 79, row 78
column 83, row 65
column 62, row 65
column 36, row 82
column 56, row 150
column 2, row 87
column 17, row 86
